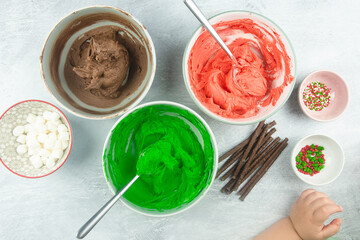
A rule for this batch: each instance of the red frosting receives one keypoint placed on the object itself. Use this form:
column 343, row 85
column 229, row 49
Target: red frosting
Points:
column 261, row 59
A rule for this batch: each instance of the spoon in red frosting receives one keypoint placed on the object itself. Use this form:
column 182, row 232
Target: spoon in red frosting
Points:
column 200, row 16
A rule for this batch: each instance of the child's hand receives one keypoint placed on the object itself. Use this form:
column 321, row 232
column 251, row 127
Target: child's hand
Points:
column 309, row 213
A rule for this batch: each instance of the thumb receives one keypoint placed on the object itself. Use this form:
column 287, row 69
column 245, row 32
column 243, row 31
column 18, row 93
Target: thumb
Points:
column 332, row 228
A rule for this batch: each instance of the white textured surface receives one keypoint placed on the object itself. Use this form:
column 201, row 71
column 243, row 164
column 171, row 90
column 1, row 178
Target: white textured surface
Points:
column 325, row 35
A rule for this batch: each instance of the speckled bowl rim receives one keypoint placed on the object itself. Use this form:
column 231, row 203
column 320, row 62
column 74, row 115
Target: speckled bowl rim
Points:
column 138, row 99
column 215, row 165
column 293, row 154
column 70, row 142
column 228, row 120
column 300, row 97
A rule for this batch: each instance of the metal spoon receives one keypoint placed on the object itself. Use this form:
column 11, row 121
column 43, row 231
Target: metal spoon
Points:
column 86, row 228
column 200, row 16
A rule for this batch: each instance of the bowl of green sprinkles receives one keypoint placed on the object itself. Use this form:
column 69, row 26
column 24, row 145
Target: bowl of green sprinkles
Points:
column 171, row 148
column 317, row 159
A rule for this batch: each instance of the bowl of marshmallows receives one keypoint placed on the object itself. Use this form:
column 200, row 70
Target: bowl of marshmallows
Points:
column 35, row 138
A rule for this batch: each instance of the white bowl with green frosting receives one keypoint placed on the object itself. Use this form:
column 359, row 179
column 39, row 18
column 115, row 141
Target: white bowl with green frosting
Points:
column 171, row 147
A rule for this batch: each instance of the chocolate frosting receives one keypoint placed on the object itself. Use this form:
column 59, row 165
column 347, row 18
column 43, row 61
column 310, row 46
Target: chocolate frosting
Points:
column 82, row 76
column 100, row 61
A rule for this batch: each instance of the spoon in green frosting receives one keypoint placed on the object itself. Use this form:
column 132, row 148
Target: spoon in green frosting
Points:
column 146, row 165
column 88, row 226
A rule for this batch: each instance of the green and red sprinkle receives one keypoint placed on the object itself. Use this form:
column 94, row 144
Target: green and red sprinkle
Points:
column 310, row 160
column 316, row 96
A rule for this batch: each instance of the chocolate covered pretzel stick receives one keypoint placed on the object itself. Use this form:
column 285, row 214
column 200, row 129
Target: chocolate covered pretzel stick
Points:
column 248, row 148
column 262, row 171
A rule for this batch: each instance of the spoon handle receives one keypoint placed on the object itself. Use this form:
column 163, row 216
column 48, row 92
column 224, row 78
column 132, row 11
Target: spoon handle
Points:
column 86, row 228
column 200, row 16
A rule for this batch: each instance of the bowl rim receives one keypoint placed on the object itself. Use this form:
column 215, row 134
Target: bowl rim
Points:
column 152, row 68
column 293, row 154
column 300, row 95
column 214, row 145
column 203, row 108
column 70, row 142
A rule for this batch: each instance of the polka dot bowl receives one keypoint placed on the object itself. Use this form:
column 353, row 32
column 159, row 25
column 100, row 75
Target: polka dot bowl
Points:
column 339, row 96
column 16, row 115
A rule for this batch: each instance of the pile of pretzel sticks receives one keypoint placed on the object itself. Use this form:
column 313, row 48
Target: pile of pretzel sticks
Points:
column 250, row 159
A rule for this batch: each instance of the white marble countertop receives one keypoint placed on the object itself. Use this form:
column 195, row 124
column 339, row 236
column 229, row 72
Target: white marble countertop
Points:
column 325, row 35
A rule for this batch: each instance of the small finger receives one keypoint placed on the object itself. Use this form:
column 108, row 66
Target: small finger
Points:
column 321, row 201
column 324, row 212
column 332, row 228
column 313, row 196
column 306, row 192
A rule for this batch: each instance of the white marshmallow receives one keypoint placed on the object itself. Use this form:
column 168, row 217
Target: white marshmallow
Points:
column 40, row 119
column 57, row 154
column 21, row 139
column 50, row 162
column 50, row 142
column 55, row 116
column 21, row 149
column 32, row 128
column 36, row 161
column 47, row 115
column 51, row 126
column 58, row 145
column 26, row 127
column 18, row 130
column 40, row 127
column 44, row 153
column 57, row 122
column 43, row 159
column 31, row 118
column 33, row 150
column 31, row 140
column 52, row 137
column 64, row 144
column 64, row 136
column 31, row 135
column 62, row 128
column 49, row 145
column 42, row 137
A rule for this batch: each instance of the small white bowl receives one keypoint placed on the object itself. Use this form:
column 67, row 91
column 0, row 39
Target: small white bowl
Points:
column 333, row 154
column 264, row 112
column 338, row 91
column 20, row 164
column 201, row 194
column 59, row 41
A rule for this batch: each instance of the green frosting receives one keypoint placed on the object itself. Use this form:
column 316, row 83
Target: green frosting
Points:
column 169, row 148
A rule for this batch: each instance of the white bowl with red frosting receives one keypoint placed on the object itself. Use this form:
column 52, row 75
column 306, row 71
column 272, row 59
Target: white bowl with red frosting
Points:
column 264, row 76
